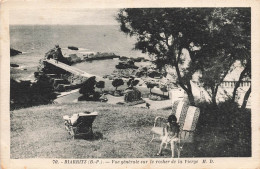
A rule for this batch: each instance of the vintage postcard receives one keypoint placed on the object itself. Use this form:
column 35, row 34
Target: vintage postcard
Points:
column 130, row 84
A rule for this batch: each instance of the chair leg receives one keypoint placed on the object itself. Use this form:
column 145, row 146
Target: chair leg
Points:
column 160, row 149
column 152, row 138
column 72, row 133
column 172, row 148
column 178, row 149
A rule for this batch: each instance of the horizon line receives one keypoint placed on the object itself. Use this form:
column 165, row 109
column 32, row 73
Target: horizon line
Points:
column 69, row 24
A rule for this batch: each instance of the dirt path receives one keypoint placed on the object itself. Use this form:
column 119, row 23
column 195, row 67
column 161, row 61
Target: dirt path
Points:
column 74, row 95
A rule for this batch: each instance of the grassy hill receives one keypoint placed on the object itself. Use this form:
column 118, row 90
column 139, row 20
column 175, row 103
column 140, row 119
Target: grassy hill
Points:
column 39, row 132
column 120, row 132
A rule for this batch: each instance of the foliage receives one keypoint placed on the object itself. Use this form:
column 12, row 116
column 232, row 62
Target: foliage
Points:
column 225, row 128
column 26, row 93
column 150, row 86
column 207, row 33
column 164, row 88
column 227, row 41
column 156, row 97
column 132, row 82
column 100, row 84
column 165, row 35
column 88, row 87
column 117, row 82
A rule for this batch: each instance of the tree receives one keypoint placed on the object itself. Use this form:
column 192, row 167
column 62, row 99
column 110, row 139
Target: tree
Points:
column 150, row 86
column 228, row 41
column 101, row 85
column 214, row 70
column 246, row 98
column 26, row 93
column 135, row 82
column 246, row 72
column 244, row 46
column 165, row 33
column 117, row 82
column 163, row 88
column 88, row 87
column 132, row 82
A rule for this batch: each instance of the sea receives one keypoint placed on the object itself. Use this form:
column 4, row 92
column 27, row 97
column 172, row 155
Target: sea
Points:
column 35, row 40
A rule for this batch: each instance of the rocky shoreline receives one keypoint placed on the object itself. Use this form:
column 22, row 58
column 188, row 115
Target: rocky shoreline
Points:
column 124, row 70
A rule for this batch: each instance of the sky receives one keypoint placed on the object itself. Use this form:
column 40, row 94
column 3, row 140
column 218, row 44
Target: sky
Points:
column 63, row 16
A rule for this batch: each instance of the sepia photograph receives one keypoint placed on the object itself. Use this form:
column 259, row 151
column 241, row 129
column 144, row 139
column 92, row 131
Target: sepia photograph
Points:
column 162, row 83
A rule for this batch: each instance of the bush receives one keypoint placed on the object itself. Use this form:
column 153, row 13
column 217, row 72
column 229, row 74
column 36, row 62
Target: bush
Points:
column 26, row 93
column 157, row 97
column 88, row 87
column 88, row 90
column 223, row 130
column 117, row 82
column 100, row 85
column 91, row 97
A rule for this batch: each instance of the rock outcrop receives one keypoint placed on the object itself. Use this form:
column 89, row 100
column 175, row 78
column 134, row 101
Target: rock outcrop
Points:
column 126, row 65
column 14, row 65
column 73, row 48
column 101, row 56
column 14, row 52
column 73, row 58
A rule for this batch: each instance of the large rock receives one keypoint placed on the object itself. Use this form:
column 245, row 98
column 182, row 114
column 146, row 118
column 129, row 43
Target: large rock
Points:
column 132, row 95
column 126, row 65
column 73, row 48
column 14, row 52
column 101, row 56
column 56, row 54
column 73, row 58
column 14, row 65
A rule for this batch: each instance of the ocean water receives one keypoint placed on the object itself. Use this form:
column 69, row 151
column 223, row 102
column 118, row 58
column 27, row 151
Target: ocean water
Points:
column 35, row 40
column 41, row 38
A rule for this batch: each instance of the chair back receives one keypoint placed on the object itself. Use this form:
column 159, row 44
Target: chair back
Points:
column 191, row 119
column 187, row 117
column 179, row 109
column 85, row 119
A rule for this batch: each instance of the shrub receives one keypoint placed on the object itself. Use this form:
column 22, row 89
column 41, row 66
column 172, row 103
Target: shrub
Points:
column 100, row 85
column 132, row 82
column 26, row 93
column 224, row 130
column 88, row 87
column 88, row 90
column 150, row 86
column 117, row 82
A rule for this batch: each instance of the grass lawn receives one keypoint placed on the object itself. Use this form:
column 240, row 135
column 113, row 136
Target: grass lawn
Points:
column 120, row 132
